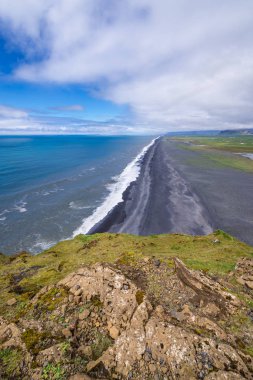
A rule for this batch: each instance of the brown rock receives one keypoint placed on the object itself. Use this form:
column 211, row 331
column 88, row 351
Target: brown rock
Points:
column 78, row 292
column 53, row 353
column 249, row 284
column 152, row 368
column 63, row 309
column 85, row 350
column 206, row 288
column 114, row 332
column 77, row 299
column 221, row 375
column 67, row 333
column 84, row 314
column 159, row 310
column 151, row 335
column 11, row 301
column 80, row 376
column 91, row 365
column 186, row 310
column 211, row 310
column 240, row 281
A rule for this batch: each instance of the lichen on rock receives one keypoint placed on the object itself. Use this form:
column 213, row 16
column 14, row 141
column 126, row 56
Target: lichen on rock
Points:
column 118, row 321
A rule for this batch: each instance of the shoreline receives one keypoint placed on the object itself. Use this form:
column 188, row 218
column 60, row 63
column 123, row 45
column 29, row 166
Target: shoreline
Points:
column 117, row 214
column 158, row 201
column 128, row 176
column 177, row 192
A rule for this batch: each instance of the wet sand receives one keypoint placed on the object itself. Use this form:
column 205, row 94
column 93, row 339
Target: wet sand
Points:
column 180, row 192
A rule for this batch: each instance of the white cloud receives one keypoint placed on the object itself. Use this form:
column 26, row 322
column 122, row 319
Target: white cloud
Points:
column 178, row 64
column 13, row 121
column 10, row 112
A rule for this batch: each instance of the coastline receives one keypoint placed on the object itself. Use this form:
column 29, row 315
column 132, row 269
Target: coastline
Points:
column 177, row 192
column 158, row 201
column 122, row 182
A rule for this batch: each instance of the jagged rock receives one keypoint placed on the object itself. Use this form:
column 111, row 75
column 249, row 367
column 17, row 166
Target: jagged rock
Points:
column 11, row 341
column 210, row 309
column 205, row 288
column 244, row 272
column 182, row 340
column 221, row 375
column 51, row 354
column 249, row 284
column 108, row 285
column 80, row 376
column 114, row 332
column 10, row 335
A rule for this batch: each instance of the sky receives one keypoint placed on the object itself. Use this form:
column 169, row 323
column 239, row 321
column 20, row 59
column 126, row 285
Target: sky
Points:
column 125, row 67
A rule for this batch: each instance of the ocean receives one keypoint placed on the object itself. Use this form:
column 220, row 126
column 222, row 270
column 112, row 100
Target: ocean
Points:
column 54, row 187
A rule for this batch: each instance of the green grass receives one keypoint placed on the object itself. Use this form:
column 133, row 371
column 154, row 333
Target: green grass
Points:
column 219, row 151
column 10, row 363
column 198, row 252
column 240, row 144
column 53, row 372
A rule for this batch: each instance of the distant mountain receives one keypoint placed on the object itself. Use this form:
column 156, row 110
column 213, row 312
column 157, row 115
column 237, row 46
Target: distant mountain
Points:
column 236, row 132
column 194, row 133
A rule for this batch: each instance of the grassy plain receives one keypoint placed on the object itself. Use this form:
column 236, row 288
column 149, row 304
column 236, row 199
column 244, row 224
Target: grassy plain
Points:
column 223, row 151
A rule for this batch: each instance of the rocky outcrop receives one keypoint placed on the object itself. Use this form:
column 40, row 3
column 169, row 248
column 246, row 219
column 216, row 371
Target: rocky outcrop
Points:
column 102, row 322
column 206, row 289
column 244, row 272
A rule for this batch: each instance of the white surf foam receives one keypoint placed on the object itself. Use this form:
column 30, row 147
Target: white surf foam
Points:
column 48, row 192
column 2, row 217
column 20, row 206
column 129, row 174
column 41, row 244
column 75, row 206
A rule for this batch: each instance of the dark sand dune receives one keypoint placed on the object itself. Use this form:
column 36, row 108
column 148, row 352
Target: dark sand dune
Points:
column 173, row 195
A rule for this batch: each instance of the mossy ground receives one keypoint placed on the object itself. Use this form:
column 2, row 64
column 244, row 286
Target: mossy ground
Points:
column 216, row 253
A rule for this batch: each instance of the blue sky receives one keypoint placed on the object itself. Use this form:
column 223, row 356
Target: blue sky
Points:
column 131, row 67
column 56, row 105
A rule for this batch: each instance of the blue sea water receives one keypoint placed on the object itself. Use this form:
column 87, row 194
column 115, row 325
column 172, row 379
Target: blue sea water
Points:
column 54, row 186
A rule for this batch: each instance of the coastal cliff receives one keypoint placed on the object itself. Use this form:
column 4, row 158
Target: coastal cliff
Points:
column 111, row 306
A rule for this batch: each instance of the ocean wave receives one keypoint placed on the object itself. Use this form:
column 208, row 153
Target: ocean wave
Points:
column 84, row 172
column 44, row 193
column 20, row 206
column 129, row 174
column 75, row 206
column 41, row 245
column 3, row 213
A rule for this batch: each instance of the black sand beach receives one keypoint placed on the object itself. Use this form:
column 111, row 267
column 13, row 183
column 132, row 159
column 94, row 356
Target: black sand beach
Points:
column 178, row 192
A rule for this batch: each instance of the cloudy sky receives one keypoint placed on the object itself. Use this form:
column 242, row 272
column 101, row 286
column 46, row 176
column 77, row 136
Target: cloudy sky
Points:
column 132, row 66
